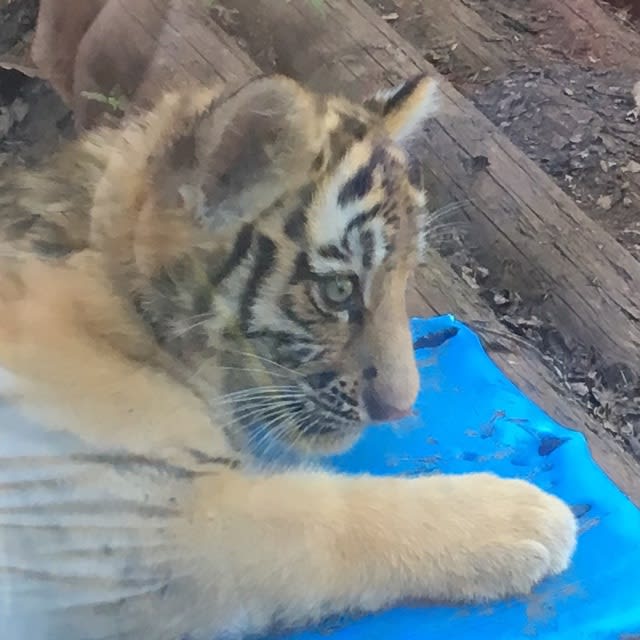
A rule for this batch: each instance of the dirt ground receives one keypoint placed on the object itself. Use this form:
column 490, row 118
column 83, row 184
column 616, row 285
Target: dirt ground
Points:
column 594, row 158
column 567, row 102
column 33, row 120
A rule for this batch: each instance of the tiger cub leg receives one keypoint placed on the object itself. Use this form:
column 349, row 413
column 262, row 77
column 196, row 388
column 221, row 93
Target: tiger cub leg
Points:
column 299, row 546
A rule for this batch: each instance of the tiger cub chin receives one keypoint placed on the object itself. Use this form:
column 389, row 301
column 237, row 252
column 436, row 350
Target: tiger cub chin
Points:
column 219, row 278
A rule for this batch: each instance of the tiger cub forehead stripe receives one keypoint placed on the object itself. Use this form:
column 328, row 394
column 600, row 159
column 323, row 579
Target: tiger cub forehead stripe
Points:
column 264, row 264
column 345, row 194
column 361, row 183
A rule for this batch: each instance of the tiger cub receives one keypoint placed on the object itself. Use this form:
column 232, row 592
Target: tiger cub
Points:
column 221, row 273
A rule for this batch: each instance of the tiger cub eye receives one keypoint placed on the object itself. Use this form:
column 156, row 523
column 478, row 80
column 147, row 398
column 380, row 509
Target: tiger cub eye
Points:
column 337, row 291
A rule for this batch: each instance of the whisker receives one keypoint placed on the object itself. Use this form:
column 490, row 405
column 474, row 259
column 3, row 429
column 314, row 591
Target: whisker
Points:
column 267, row 391
column 259, row 393
column 446, row 209
column 245, row 369
column 261, row 358
column 269, row 374
column 201, row 316
column 267, row 430
column 179, row 333
column 453, row 224
column 304, row 431
column 265, row 411
column 261, row 412
column 269, row 440
column 275, row 434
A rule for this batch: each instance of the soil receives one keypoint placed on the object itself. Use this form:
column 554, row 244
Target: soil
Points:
column 579, row 125
column 596, row 161
column 33, row 119
column 627, row 9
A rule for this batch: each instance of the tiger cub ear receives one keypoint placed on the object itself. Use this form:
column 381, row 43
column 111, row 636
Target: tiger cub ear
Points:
column 405, row 108
column 235, row 158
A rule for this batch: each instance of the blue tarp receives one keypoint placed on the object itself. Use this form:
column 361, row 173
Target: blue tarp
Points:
column 471, row 418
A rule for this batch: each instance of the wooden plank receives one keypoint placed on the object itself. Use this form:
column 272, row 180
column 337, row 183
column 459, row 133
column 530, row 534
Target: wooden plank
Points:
column 454, row 37
column 467, row 37
column 130, row 52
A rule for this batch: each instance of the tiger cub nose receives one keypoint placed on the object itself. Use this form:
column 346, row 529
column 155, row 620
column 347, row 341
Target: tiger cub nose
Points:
column 381, row 411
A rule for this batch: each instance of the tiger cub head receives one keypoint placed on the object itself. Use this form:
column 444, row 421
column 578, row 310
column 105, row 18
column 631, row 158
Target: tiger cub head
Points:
column 269, row 250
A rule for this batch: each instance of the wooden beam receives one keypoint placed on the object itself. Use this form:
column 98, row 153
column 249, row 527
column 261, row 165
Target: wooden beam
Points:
column 131, row 52
column 455, row 38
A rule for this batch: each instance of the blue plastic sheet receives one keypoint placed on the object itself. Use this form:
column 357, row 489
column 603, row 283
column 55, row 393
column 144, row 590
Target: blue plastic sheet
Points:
column 471, row 418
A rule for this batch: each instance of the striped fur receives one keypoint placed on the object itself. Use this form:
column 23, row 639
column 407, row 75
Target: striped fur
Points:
column 184, row 300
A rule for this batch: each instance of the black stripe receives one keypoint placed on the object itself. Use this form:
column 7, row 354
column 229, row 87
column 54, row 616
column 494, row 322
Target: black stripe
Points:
column 321, row 428
column 239, row 252
column 301, row 270
column 357, row 187
column 134, row 462
column 414, row 173
column 295, row 225
column 287, row 305
column 316, row 165
column 319, row 309
column 202, row 300
column 265, row 260
column 321, row 379
column 356, row 316
column 202, row 458
column 367, row 243
column 20, row 226
column 339, row 143
column 296, row 222
column 332, row 252
column 354, row 127
column 401, row 94
column 51, row 249
column 90, row 507
column 347, row 399
column 358, row 221
column 360, row 184
column 392, row 218
column 297, row 355
column 157, row 326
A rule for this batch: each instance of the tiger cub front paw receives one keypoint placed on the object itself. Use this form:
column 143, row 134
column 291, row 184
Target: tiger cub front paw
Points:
column 507, row 535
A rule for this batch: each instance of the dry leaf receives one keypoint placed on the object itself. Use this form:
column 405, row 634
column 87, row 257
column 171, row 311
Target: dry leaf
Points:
column 634, row 114
column 632, row 167
column 605, row 202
